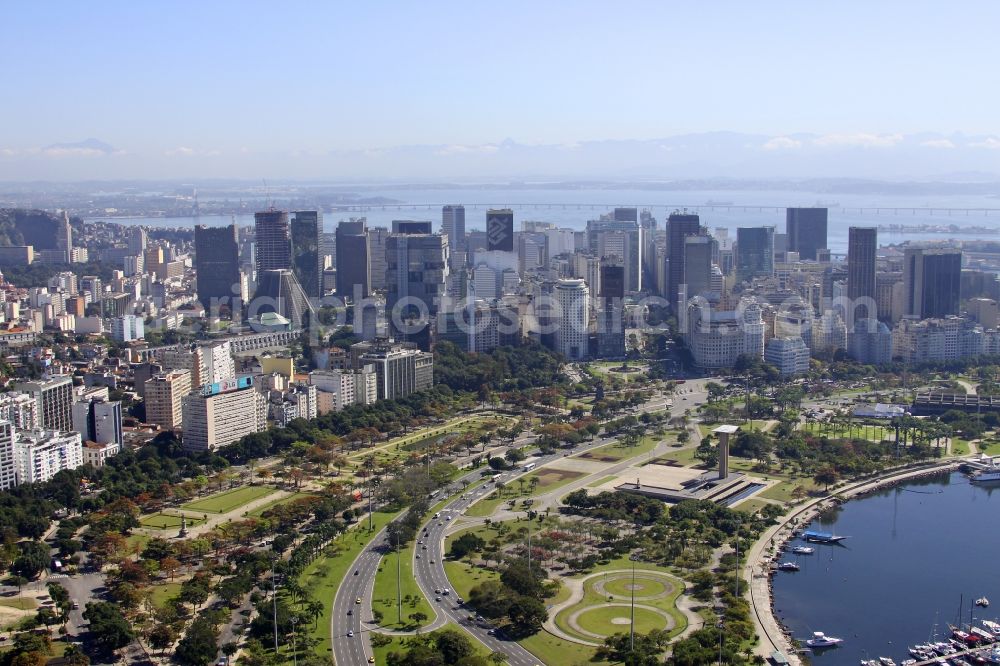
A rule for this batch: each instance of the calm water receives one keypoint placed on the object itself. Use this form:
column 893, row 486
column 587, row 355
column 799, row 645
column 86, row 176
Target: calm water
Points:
column 572, row 208
column 912, row 552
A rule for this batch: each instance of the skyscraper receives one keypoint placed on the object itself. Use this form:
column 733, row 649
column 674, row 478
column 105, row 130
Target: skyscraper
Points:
column 932, row 280
column 377, row 236
column 307, row 262
column 217, row 265
column 412, row 227
column 610, row 320
column 806, row 230
column 862, row 243
column 571, row 336
column 54, row 399
column 500, row 229
column 453, row 226
column 273, row 247
column 64, row 239
column 679, row 225
column 353, row 267
column 622, row 239
column 416, row 279
column 754, row 252
column 697, row 265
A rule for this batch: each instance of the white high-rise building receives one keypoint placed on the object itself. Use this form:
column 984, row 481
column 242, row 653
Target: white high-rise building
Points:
column 212, row 420
column 164, row 395
column 54, row 399
column 20, row 409
column 8, row 459
column 788, row 354
column 572, row 332
column 41, row 454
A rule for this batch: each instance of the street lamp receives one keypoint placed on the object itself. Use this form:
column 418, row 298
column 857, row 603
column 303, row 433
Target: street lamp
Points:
column 295, row 651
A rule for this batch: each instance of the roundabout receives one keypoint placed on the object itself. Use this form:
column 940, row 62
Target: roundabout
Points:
column 603, row 607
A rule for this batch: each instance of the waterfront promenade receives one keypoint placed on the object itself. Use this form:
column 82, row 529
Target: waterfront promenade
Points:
column 758, row 566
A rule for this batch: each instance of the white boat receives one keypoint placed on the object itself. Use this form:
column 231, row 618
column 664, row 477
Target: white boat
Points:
column 821, row 640
column 803, row 550
column 788, row 566
column 989, row 474
column 983, row 601
column 992, row 626
column 885, row 661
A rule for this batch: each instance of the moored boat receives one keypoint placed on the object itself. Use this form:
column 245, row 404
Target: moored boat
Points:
column 821, row 640
column 803, row 550
column 788, row 566
column 821, row 537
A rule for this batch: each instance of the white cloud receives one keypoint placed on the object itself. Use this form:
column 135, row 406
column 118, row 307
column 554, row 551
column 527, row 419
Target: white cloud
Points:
column 990, row 142
column 185, row 151
column 782, row 143
column 937, row 143
column 7, row 152
column 861, row 140
column 458, row 149
column 73, row 152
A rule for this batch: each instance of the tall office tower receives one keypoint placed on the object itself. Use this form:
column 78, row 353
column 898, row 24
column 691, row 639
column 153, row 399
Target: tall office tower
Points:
column 500, row 229
column 273, row 245
column 610, row 312
column 353, row 267
column 416, row 279
column 64, row 239
column 697, row 265
column 279, row 291
column 626, row 214
column 621, row 239
column 54, row 398
column 221, row 415
column 307, row 260
column 571, row 336
column 862, row 243
column 754, row 252
column 679, row 225
column 532, row 251
column 453, row 226
column 377, row 236
column 217, row 266
column 806, row 230
column 932, row 282
column 137, row 241
column 99, row 420
column 164, row 395
column 412, row 227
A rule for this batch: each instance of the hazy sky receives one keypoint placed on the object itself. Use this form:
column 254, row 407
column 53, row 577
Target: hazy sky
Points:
column 173, row 80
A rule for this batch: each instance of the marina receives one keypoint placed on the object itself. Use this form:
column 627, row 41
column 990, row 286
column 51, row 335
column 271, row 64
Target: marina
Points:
column 899, row 589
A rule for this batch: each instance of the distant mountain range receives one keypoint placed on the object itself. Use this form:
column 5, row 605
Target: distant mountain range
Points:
column 954, row 158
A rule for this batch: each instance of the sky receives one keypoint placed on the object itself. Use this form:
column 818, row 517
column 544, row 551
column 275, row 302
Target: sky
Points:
column 218, row 88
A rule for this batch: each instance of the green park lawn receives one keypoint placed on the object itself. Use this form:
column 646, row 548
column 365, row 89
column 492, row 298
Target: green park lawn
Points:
column 167, row 521
column 548, row 480
column 161, row 593
column 552, row 650
column 20, row 603
column 384, row 593
column 259, row 511
column 464, row 576
column 324, row 575
column 600, row 620
column 616, row 451
column 228, row 500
